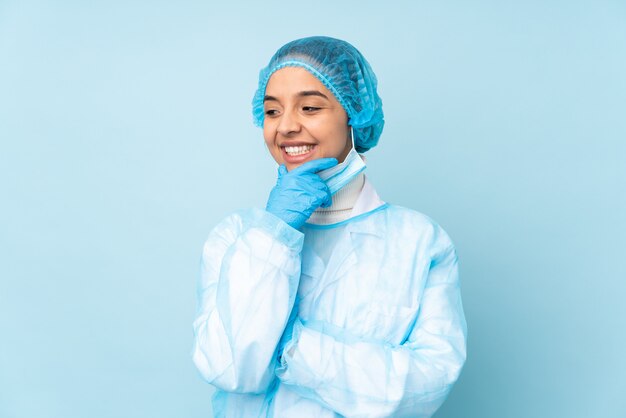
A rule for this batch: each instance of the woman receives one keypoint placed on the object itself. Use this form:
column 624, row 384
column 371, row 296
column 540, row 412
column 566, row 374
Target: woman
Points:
column 329, row 302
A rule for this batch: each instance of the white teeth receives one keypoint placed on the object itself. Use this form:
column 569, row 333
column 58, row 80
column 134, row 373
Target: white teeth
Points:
column 302, row 149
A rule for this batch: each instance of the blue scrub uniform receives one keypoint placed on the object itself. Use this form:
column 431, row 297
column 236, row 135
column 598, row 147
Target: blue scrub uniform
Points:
column 358, row 319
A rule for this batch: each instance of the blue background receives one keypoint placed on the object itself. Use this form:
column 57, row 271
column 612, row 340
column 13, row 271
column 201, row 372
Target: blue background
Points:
column 126, row 135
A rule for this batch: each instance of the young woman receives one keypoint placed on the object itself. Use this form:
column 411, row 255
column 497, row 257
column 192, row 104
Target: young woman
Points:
column 329, row 302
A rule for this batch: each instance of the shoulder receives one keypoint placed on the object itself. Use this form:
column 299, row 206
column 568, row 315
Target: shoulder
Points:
column 410, row 225
column 257, row 225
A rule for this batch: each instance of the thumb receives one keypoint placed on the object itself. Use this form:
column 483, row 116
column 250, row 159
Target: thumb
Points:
column 282, row 170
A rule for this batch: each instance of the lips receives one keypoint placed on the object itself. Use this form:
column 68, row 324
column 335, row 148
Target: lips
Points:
column 297, row 153
column 298, row 150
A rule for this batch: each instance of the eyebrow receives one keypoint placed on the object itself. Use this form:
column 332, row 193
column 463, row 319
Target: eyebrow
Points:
column 312, row 93
column 305, row 93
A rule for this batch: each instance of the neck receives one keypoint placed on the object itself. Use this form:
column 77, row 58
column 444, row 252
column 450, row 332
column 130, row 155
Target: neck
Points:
column 343, row 202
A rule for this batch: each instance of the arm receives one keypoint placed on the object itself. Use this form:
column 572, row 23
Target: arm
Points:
column 249, row 279
column 361, row 377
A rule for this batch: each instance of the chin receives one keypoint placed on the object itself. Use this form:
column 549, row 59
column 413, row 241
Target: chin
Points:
column 292, row 166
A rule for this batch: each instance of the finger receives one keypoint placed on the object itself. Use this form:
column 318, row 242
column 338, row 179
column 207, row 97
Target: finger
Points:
column 320, row 190
column 282, row 170
column 315, row 165
column 328, row 200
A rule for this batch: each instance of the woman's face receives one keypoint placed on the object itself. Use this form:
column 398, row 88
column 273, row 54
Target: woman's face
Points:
column 303, row 119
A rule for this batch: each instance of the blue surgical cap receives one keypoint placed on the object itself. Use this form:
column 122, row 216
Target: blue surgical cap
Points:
column 344, row 71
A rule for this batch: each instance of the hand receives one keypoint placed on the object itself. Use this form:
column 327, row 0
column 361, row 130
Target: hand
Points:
column 299, row 192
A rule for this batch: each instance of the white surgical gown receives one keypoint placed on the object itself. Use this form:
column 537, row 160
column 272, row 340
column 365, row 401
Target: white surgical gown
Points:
column 376, row 330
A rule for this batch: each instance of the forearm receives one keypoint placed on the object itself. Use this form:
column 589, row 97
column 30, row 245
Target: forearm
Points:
column 356, row 377
column 250, row 277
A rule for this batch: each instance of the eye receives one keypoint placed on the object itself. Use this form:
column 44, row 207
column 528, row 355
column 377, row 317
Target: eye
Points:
column 271, row 112
column 310, row 109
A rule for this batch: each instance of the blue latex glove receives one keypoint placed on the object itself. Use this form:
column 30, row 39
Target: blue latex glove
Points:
column 299, row 192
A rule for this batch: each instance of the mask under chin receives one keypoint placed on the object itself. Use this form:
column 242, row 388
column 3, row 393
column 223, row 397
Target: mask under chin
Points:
column 338, row 176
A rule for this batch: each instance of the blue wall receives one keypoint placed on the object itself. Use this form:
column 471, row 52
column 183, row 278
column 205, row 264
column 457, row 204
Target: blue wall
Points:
column 126, row 134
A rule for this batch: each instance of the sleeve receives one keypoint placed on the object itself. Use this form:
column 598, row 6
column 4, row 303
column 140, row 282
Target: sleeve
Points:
column 249, row 278
column 357, row 377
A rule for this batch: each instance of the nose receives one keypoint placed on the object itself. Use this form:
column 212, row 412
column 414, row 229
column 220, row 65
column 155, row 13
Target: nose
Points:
column 289, row 123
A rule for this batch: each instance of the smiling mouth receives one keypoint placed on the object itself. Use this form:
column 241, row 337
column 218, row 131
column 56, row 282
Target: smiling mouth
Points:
column 298, row 150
